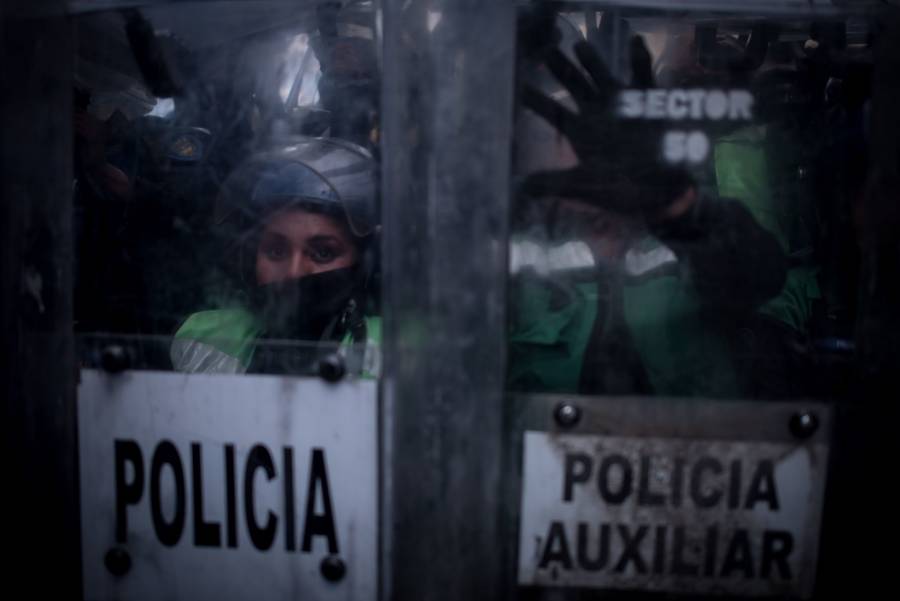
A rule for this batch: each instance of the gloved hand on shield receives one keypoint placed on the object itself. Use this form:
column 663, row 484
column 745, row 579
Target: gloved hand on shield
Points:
column 620, row 163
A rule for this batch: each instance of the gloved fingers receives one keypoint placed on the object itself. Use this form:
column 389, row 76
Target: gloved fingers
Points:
column 537, row 31
column 572, row 78
column 568, row 183
column 604, row 82
column 607, row 190
column 644, row 191
column 556, row 114
column 641, row 63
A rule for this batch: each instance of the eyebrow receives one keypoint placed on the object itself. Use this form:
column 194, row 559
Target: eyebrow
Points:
column 267, row 233
column 325, row 238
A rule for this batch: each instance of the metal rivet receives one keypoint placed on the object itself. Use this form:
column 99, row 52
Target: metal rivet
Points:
column 804, row 425
column 567, row 414
column 117, row 561
column 115, row 359
column 331, row 368
column 332, row 568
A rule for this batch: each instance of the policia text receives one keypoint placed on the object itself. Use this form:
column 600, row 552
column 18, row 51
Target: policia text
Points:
column 133, row 481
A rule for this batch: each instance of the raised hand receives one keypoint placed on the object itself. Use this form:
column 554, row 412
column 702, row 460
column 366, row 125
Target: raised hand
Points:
column 621, row 166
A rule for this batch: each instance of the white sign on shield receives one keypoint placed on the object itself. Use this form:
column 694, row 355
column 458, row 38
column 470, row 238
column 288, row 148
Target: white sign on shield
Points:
column 227, row 487
column 698, row 516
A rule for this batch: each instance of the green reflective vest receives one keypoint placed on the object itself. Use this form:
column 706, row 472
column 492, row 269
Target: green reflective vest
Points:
column 223, row 341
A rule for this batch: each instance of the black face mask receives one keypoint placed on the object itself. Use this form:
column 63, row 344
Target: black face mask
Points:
column 303, row 308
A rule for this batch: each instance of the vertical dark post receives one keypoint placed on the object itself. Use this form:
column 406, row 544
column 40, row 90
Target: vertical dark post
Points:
column 878, row 332
column 38, row 367
column 867, row 427
column 447, row 118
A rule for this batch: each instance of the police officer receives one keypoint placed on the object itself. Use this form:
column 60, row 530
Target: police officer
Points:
column 299, row 225
column 675, row 272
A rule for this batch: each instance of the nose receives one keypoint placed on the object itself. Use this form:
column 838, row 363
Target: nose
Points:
column 299, row 266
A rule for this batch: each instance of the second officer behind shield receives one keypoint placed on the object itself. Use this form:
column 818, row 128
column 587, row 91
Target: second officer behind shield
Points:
column 641, row 280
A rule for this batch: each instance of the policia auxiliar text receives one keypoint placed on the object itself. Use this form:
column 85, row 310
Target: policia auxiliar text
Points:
column 692, row 548
column 131, row 485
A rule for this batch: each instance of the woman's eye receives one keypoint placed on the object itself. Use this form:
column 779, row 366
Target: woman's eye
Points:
column 323, row 254
column 275, row 250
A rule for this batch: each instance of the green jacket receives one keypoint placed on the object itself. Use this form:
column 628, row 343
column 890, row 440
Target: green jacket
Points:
column 743, row 163
column 730, row 264
column 224, row 341
column 680, row 352
column 674, row 318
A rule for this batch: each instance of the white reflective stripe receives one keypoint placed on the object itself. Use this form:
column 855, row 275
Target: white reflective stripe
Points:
column 577, row 255
column 362, row 359
column 524, row 254
column 571, row 255
column 372, row 360
column 544, row 259
column 638, row 263
column 192, row 356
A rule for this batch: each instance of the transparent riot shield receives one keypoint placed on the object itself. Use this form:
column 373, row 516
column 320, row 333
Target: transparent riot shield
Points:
column 226, row 300
column 695, row 188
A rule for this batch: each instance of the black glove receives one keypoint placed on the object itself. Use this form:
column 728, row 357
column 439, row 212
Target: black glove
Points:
column 620, row 160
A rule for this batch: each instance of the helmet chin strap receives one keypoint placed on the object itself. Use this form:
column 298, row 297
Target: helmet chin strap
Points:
column 350, row 320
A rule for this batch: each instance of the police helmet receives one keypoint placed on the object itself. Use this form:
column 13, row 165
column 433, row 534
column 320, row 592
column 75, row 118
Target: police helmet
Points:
column 330, row 176
column 322, row 175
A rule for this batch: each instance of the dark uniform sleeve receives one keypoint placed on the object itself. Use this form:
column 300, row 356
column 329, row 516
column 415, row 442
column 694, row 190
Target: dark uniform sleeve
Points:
column 734, row 263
